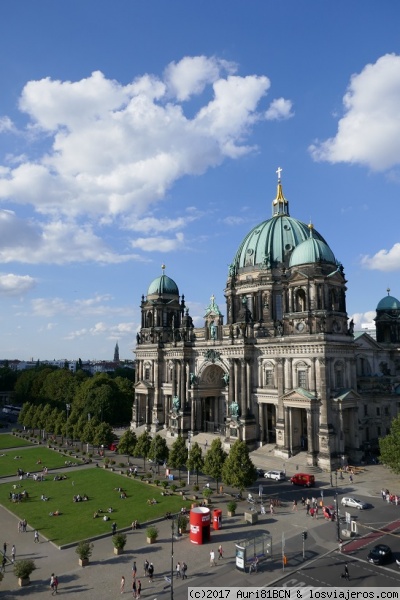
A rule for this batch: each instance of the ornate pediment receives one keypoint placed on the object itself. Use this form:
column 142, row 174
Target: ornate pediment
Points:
column 212, row 355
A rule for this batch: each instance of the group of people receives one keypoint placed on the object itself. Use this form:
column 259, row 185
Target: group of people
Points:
column 54, row 584
column 22, row 526
column 388, row 497
column 79, row 498
column 18, row 496
column 180, row 570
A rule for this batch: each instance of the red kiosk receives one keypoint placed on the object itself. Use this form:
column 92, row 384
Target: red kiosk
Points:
column 200, row 521
column 217, row 519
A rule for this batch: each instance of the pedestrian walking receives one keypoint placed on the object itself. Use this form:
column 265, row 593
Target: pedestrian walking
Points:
column 134, row 588
column 178, row 570
column 114, row 528
column 184, row 569
column 134, row 569
column 36, row 539
column 271, row 508
column 220, row 552
column 340, row 545
column 346, row 573
column 151, row 572
column 212, row 559
column 206, row 445
column 13, row 554
column 294, row 507
column 55, row 586
column 122, row 585
column 146, row 567
column 138, row 589
column 5, row 548
column 52, row 584
column 24, row 524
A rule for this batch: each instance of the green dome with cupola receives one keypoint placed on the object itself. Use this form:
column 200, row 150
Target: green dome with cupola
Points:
column 312, row 251
column 163, row 286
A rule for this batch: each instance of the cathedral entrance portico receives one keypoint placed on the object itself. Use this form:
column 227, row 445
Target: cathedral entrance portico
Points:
column 210, row 400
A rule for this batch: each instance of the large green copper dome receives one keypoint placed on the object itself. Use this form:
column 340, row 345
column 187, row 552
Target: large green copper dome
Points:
column 312, row 251
column 273, row 241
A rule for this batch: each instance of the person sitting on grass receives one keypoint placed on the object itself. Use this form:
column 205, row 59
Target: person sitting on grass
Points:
column 110, row 509
column 44, row 498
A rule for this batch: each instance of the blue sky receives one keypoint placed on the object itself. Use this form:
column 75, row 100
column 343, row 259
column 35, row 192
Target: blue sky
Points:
column 137, row 133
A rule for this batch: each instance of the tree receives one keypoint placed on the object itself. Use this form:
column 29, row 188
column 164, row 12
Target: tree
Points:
column 390, row 447
column 178, row 454
column 104, row 435
column 127, row 443
column 158, row 450
column 214, row 460
column 238, row 470
column 142, row 447
column 195, row 460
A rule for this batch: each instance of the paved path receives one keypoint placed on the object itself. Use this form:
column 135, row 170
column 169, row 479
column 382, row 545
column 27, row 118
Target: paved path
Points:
column 100, row 580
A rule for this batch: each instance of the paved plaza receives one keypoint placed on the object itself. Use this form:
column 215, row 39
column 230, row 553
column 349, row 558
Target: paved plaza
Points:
column 101, row 579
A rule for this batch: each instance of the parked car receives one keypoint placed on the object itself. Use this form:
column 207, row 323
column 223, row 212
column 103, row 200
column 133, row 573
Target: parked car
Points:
column 354, row 503
column 379, row 554
column 276, row 475
column 304, row 479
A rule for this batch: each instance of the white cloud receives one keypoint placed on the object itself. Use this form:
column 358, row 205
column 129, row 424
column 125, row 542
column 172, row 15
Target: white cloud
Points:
column 15, row 285
column 369, row 131
column 363, row 318
column 85, row 307
column 279, row 109
column 6, row 124
column 113, row 148
column 160, row 244
column 115, row 332
column 383, row 260
column 153, row 225
column 55, row 242
column 191, row 75
column 231, row 220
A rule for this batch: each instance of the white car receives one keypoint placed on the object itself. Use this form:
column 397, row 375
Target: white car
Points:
column 354, row 503
column 277, row 475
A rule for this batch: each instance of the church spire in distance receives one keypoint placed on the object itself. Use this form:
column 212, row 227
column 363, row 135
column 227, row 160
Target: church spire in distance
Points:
column 280, row 205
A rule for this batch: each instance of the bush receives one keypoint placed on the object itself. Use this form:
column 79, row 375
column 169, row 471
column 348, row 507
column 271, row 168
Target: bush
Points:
column 152, row 532
column 24, row 568
column 119, row 540
column 164, row 484
column 121, row 464
column 149, row 475
column 112, row 461
column 107, row 461
column 157, row 482
column 195, row 488
column 182, row 483
column 174, row 487
column 207, row 493
column 231, row 506
column 84, row 549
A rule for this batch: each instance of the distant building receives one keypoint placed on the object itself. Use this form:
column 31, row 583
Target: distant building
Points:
column 286, row 368
column 116, row 353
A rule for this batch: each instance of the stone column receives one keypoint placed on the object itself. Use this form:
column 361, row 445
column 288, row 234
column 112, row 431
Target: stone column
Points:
column 287, row 431
column 243, row 388
column 261, row 422
column 310, row 431
column 248, row 386
column 236, row 378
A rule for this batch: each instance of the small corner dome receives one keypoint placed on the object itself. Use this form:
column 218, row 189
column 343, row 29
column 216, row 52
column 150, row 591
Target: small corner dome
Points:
column 311, row 251
column 163, row 285
column 388, row 303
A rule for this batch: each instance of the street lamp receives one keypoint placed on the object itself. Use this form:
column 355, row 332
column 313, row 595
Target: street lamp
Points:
column 172, row 557
column 68, row 407
column 189, row 447
column 337, row 517
column 156, row 422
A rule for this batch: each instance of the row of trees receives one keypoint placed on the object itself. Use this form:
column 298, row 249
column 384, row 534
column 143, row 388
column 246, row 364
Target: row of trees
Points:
column 106, row 397
column 235, row 469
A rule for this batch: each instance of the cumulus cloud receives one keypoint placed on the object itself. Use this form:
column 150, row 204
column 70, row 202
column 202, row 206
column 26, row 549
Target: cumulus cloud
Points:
column 361, row 320
column 15, row 285
column 383, row 260
column 369, row 130
column 6, row 124
column 54, row 242
column 114, row 149
column 279, row 109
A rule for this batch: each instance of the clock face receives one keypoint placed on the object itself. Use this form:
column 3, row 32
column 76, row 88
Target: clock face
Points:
column 300, row 327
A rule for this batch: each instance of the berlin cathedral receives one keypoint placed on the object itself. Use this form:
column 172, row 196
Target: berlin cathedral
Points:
column 284, row 367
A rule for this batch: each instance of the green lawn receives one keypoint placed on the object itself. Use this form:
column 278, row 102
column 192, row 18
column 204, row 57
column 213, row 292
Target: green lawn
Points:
column 11, row 441
column 28, row 458
column 76, row 521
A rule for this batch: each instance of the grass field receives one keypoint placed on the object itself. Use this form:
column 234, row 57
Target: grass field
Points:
column 28, row 460
column 11, row 441
column 76, row 521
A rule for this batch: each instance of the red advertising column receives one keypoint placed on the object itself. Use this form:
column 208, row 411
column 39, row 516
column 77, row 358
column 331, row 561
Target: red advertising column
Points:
column 217, row 519
column 200, row 521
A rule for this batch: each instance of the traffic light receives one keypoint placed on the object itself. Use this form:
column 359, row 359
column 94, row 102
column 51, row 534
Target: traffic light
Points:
column 304, row 535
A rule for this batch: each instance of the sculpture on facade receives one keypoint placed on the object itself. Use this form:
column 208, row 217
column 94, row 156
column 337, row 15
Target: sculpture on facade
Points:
column 225, row 378
column 192, row 378
column 213, row 331
column 234, row 410
column 176, row 403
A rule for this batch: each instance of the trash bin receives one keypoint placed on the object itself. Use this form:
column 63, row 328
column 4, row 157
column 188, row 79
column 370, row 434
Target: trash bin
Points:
column 217, row 519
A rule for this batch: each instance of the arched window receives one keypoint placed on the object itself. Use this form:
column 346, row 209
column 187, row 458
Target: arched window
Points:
column 300, row 301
